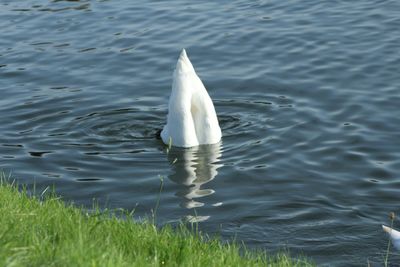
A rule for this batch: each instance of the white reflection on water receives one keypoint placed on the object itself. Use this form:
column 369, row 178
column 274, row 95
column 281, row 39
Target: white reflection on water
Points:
column 193, row 168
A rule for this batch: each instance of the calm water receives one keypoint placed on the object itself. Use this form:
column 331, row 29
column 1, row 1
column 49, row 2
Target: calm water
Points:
column 307, row 94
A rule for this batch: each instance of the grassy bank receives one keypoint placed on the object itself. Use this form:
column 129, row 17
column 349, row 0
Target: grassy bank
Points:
column 51, row 233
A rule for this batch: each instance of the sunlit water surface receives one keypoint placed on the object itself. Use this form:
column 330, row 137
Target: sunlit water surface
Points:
column 307, row 94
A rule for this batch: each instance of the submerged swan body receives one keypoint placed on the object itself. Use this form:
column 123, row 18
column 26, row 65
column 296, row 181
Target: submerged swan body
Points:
column 191, row 119
column 394, row 236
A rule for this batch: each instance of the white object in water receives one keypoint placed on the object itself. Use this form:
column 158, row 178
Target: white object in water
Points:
column 394, row 236
column 192, row 119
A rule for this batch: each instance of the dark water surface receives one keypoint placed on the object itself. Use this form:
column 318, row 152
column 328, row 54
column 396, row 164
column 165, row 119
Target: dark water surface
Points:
column 307, row 94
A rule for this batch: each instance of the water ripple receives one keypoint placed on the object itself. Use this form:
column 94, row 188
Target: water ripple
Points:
column 307, row 97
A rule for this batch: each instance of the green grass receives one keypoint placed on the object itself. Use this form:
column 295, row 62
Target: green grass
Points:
column 37, row 232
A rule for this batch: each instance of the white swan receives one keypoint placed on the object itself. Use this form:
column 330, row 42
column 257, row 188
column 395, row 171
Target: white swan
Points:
column 191, row 119
column 394, row 236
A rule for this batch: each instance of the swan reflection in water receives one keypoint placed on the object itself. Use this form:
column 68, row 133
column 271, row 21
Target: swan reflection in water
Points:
column 193, row 168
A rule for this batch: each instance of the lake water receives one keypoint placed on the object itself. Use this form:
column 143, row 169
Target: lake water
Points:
column 307, row 94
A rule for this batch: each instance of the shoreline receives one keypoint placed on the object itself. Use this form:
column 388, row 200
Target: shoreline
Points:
column 44, row 232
